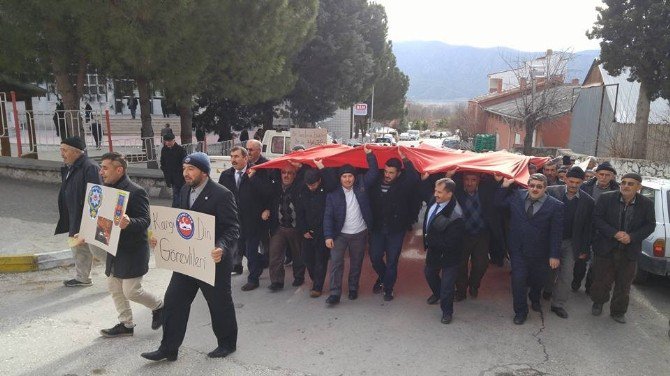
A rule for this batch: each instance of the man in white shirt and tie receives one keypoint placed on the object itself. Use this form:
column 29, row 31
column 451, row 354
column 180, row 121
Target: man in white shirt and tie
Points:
column 443, row 229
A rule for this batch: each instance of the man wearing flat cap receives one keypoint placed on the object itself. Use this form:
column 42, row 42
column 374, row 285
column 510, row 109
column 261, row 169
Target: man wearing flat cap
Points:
column 205, row 196
column 622, row 220
column 578, row 212
column 604, row 181
column 78, row 171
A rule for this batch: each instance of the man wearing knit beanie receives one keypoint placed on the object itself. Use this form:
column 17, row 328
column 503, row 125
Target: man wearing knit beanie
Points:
column 78, row 171
column 205, row 196
column 577, row 218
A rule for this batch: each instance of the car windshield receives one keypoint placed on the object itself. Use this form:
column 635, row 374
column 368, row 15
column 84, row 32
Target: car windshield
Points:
column 381, row 140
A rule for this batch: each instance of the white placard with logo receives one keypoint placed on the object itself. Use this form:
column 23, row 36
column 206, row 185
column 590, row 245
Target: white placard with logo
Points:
column 185, row 240
column 103, row 209
column 309, row 137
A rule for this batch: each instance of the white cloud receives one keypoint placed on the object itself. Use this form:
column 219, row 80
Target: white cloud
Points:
column 528, row 25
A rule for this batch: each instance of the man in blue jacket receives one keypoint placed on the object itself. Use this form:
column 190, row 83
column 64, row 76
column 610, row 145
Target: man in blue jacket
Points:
column 536, row 231
column 346, row 222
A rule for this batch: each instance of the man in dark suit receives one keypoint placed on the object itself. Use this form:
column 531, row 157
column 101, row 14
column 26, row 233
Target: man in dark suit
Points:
column 125, row 270
column 604, row 181
column 443, row 230
column 578, row 206
column 203, row 195
column 536, row 230
column 252, row 196
column 622, row 220
column 483, row 228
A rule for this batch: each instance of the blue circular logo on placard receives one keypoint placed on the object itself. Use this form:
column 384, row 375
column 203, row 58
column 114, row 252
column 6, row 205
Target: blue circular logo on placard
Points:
column 185, row 225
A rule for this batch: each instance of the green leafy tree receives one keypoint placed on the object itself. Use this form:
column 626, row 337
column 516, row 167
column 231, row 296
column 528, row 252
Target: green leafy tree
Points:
column 339, row 65
column 635, row 35
column 390, row 89
column 44, row 40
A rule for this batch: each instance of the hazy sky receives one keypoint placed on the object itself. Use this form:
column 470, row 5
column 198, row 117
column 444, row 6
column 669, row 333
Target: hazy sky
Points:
column 527, row 25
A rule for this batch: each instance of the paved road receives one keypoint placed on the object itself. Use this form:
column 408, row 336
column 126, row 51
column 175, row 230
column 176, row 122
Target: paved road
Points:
column 47, row 329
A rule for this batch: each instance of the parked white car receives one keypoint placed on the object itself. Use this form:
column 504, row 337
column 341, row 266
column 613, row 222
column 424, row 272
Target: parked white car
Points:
column 405, row 137
column 655, row 256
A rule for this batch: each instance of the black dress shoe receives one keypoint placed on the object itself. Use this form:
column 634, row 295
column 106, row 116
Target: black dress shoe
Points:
column 237, row 270
column 249, row 286
column 560, row 312
column 159, row 355
column 298, row 282
column 446, row 319
column 388, row 296
column 546, row 295
column 332, row 300
column 575, row 285
column 618, row 317
column 377, row 287
column 220, row 352
column 519, row 319
column 275, row 286
column 353, row 294
column 536, row 306
column 459, row 297
column 596, row 309
column 432, row 300
column 474, row 291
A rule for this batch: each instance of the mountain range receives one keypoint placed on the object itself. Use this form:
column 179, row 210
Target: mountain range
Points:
column 440, row 72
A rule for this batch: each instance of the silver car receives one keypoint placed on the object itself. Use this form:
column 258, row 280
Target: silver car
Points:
column 655, row 258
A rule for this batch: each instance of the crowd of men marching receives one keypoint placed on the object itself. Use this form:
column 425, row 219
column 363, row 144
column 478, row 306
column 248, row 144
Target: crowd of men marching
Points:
column 315, row 216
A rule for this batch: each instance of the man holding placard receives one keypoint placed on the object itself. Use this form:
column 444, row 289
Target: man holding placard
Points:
column 77, row 172
column 125, row 270
column 203, row 195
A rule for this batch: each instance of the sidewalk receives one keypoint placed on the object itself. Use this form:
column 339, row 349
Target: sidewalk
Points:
column 29, row 213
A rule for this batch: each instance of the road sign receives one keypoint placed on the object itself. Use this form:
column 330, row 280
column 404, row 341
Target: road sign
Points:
column 360, row 109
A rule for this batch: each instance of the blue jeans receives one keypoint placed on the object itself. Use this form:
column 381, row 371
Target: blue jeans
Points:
column 527, row 272
column 381, row 244
column 443, row 286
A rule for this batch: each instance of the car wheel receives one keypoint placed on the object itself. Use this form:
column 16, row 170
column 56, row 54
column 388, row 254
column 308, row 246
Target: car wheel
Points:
column 641, row 276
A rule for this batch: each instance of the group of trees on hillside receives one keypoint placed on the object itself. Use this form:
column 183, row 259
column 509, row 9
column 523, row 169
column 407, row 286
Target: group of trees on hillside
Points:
column 224, row 56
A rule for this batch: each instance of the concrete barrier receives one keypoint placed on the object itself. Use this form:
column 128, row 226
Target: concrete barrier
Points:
column 31, row 170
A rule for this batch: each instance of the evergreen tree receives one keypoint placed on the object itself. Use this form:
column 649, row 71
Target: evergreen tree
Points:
column 635, row 36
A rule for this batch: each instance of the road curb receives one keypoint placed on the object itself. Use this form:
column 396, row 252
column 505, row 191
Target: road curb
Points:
column 37, row 261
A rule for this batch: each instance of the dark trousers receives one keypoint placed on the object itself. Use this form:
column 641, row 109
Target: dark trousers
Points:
column 285, row 238
column 178, row 298
column 315, row 255
column 355, row 243
column 579, row 271
column 254, row 259
column 617, row 270
column 475, row 262
column 443, row 286
column 389, row 245
column 175, row 195
column 527, row 272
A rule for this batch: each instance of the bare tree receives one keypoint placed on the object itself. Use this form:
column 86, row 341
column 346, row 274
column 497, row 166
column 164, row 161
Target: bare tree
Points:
column 542, row 94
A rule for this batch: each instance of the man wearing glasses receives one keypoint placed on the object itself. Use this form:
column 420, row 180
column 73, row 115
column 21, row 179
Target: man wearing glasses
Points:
column 622, row 220
column 536, row 231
